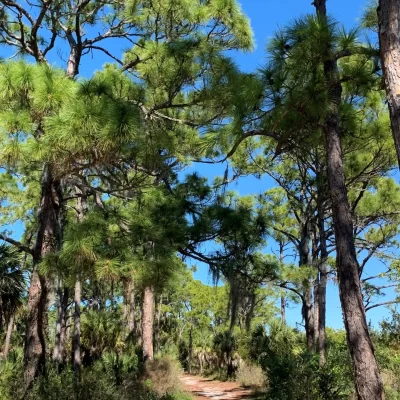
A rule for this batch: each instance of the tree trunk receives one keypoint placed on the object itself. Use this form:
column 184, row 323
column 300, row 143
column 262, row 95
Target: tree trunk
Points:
column 283, row 298
column 125, row 310
column 147, row 322
column 157, row 338
column 51, row 297
column 139, row 326
column 283, row 309
column 67, row 326
column 307, row 307
column 132, row 307
column 47, row 241
column 316, row 307
column 35, row 350
column 366, row 372
column 59, row 344
column 250, row 312
column 315, row 262
column 190, row 355
column 77, row 330
column 323, row 278
column 10, row 328
column 76, row 343
column 389, row 40
column 367, row 376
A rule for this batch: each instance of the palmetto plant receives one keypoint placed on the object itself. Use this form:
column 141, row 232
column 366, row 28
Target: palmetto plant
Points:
column 12, row 283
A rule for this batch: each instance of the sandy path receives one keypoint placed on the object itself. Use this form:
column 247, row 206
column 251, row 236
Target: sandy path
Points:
column 202, row 389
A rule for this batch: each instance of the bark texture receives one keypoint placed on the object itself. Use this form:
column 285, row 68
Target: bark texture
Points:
column 367, row 377
column 47, row 239
column 389, row 40
column 366, row 372
column 59, row 343
column 147, row 322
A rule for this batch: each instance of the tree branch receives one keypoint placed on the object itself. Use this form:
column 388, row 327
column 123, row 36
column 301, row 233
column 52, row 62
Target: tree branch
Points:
column 17, row 244
column 385, row 303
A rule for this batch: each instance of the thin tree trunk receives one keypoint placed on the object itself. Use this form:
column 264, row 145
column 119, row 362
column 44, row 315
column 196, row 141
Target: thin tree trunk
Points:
column 59, row 322
column 316, row 307
column 67, row 328
column 366, row 372
column 112, row 297
column 64, row 333
column 323, row 277
column 191, row 351
column 77, row 330
column 76, row 343
column 59, row 343
column 315, row 262
column 132, row 307
column 139, row 326
column 147, row 322
column 250, row 313
column 47, row 241
column 125, row 310
column 283, row 298
column 10, row 328
column 283, row 309
column 307, row 307
column 157, row 338
column 389, row 40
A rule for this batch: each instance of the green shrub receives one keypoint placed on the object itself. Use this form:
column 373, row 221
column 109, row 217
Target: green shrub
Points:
column 294, row 373
column 11, row 374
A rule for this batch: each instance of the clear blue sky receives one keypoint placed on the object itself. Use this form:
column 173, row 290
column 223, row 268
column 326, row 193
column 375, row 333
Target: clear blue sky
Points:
column 266, row 17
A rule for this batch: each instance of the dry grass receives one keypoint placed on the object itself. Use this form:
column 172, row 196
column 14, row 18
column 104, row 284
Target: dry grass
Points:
column 162, row 376
column 251, row 376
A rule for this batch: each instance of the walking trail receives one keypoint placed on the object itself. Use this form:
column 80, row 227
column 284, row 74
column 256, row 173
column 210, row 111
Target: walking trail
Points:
column 202, row 389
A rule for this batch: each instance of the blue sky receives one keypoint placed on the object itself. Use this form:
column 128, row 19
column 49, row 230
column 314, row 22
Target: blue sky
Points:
column 266, row 17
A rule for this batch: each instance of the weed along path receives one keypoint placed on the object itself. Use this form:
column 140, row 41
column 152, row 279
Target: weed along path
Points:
column 202, row 389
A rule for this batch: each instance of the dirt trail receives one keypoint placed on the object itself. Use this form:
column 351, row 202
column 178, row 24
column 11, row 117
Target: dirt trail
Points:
column 202, row 389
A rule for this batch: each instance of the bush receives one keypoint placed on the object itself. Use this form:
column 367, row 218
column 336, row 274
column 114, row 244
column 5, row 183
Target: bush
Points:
column 294, row 373
column 10, row 379
column 252, row 376
column 96, row 384
column 162, row 376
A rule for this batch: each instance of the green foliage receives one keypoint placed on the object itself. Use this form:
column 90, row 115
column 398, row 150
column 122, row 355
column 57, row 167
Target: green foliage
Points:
column 293, row 372
column 11, row 373
column 101, row 332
